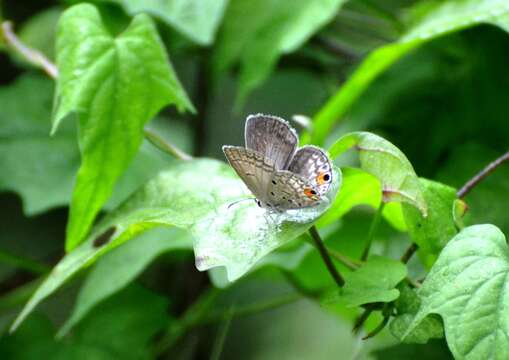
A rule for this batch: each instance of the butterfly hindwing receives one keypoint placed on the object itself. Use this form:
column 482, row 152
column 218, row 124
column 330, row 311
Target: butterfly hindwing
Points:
column 314, row 166
column 253, row 168
column 290, row 191
column 272, row 137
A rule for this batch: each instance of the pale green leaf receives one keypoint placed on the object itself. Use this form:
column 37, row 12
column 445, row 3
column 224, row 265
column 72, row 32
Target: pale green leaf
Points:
column 443, row 18
column 119, row 267
column 234, row 237
column 467, row 287
column 114, row 85
column 388, row 164
column 433, row 232
column 375, row 281
column 197, row 19
column 256, row 33
column 361, row 188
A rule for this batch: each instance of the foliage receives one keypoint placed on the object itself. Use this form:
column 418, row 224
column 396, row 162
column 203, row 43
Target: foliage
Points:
column 166, row 255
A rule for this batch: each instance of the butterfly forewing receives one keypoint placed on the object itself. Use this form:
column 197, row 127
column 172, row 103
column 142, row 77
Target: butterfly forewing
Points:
column 272, row 137
column 314, row 166
column 252, row 167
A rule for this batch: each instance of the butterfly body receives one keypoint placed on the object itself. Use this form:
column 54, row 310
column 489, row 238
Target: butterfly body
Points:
column 279, row 175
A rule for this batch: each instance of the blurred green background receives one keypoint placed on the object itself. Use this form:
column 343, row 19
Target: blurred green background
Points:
column 444, row 105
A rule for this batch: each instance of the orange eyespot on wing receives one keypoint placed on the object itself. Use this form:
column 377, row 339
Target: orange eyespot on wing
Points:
column 310, row 193
column 322, row 178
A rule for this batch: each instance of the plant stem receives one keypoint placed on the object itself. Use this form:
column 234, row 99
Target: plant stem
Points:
column 410, row 251
column 372, row 231
column 482, row 175
column 326, row 257
column 29, row 265
column 35, row 57
column 217, row 349
column 352, row 264
column 387, row 315
column 165, row 146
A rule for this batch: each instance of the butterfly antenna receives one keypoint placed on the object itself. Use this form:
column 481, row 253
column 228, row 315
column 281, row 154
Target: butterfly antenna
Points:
column 236, row 202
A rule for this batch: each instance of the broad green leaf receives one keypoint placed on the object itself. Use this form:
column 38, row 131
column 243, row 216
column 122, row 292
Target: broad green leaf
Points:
column 119, row 267
column 375, row 281
column 433, row 232
column 114, row 85
column 407, row 306
column 196, row 19
column 256, row 33
column 234, row 237
column 388, row 164
column 467, row 287
column 442, row 18
column 361, row 188
column 41, row 168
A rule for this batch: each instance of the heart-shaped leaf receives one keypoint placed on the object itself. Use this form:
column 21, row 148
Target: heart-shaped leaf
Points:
column 235, row 237
column 468, row 288
column 388, row 164
column 114, row 85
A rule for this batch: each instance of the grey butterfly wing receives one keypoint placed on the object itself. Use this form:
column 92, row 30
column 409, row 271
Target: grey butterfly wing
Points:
column 272, row 137
column 252, row 167
column 290, row 191
column 313, row 164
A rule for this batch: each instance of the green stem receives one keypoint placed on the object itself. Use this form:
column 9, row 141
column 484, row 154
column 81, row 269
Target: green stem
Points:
column 352, row 264
column 326, row 257
column 29, row 265
column 165, row 146
column 19, row 295
column 217, row 349
column 372, row 231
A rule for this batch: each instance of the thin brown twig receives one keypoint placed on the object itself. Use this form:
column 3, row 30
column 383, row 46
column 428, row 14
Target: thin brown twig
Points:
column 470, row 184
column 326, row 257
column 409, row 252
column 32, row 55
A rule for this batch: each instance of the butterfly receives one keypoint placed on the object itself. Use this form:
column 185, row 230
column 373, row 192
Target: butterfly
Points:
column 280, row 175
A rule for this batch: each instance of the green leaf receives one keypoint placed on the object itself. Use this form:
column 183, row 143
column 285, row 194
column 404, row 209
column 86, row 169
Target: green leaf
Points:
column 361, row 188
column 114, row 85
column 196, row 19
column 443, row 18
column 375, row 281
column 467, row 287
column 38, row 167
column 433, row 232
column 407, row 306
column 39, row 31
column 234, row 237
column 119, row 267
column 257, row 32
column 388, row 164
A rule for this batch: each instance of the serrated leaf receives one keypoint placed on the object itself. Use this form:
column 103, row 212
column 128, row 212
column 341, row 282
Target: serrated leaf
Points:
column 196, row 19
column 375, row 281
column 256, row 33
column 388, row 164
column 114, row 85
column 433, row 232
column 441, row 19
column 467, row 287
column 119, row 267
column 234, row 237
column 361, row 188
